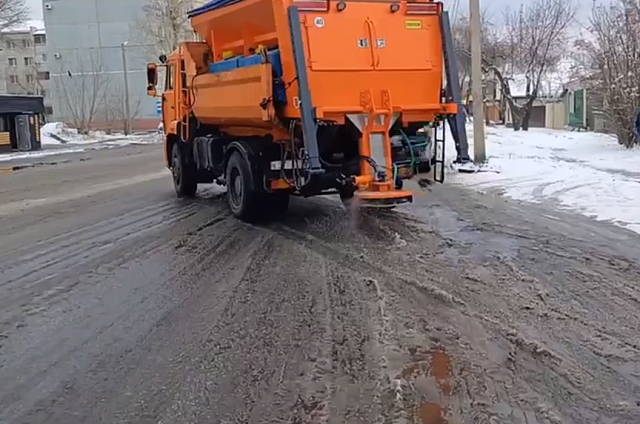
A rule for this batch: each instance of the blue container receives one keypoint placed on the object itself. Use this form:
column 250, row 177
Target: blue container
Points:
column 224, row 65
column 254, row 59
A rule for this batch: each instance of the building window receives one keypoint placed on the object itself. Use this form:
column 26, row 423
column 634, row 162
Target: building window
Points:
column 30, row 79
column 44, row 76
column 13, row 61
column 40, row 39
column 13, row 79
column 48, row 110
column 28, row 61
column 26, row 43
column 10, row 44
column 43, row 57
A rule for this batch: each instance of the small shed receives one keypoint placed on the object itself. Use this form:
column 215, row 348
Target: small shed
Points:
column 20, row 121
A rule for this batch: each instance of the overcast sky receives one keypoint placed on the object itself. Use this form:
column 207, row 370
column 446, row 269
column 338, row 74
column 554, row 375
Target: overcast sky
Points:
column 494, row 6
column 36, row 8
column 497, row 7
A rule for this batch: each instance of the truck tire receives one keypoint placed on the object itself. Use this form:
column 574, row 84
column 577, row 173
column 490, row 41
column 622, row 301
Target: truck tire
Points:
column 243, row 199
column 184, row 175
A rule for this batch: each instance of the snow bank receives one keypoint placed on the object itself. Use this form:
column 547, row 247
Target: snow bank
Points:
column 38, row 154
column 580, row 171
column 55, row 133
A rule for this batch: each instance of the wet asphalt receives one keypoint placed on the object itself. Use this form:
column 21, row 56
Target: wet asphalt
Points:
column 120, row 303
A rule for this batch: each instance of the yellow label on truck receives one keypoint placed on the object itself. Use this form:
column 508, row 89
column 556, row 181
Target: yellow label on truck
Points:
column 413, row 24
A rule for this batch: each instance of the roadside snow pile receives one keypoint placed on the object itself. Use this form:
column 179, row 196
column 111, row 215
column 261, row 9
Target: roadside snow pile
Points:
column 56, row 133
column 39, row 153
column 580, row 171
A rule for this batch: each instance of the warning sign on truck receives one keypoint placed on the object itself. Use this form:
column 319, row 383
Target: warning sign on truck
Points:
column 413, row 24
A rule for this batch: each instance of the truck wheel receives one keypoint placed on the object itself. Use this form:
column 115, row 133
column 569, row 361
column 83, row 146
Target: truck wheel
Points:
column 243, row 199
column 184, row 176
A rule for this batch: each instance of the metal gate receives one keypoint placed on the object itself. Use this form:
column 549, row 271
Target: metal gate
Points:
column 23, row 133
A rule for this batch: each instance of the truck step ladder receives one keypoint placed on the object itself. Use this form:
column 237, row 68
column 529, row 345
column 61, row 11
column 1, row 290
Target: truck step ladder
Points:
column 439, row 152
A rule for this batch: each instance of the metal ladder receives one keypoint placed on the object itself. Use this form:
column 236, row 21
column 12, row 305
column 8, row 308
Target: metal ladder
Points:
column 439, row 152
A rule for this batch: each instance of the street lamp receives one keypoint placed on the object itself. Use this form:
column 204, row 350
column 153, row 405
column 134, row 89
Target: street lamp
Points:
column 125, row 71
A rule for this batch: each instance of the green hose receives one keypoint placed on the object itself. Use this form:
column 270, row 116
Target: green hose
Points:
column 412, row 150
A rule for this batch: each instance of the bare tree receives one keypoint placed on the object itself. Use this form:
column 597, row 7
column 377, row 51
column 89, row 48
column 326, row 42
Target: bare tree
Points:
column 493, row 54
column 462, row 42
column 81, row 91
column 535, row 40
column 112, row 110
column 163, row 24
column 12, row 13
column 613, row 65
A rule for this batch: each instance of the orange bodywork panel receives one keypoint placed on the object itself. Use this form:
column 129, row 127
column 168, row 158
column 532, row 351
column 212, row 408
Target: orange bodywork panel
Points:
column 363, row 49
column 234, row 97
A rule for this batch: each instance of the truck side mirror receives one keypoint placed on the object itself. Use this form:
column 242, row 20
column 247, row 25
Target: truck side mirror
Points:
column 152, row 79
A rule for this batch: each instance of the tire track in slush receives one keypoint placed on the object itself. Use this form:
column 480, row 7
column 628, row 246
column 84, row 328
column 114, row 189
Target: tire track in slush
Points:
column 52, row 270
column 393, row 396
column 21, row 206
column 74, row 248
column 418, row 381
column 49, row 370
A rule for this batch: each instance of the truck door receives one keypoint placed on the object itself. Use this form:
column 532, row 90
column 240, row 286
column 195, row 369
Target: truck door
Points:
column 408, row 42
column 339, row 41
column 366, row 36
column 169, row 97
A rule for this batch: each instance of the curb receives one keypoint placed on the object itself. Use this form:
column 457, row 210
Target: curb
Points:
column 10, row 169
column 14, row 168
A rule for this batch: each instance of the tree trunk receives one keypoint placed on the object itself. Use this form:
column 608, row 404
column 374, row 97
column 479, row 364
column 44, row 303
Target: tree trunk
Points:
column 516, row 115
column 528, row 108
column 487, row 121
column 525, row 119
column 516, row 123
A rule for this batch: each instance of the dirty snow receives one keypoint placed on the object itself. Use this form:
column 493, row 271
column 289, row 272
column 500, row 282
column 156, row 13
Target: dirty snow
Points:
column 57, row 133
column 38, row 153
column 59, row 139
column 579, row 171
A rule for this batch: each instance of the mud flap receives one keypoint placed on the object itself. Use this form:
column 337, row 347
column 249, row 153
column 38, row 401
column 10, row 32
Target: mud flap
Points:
column 438, row 153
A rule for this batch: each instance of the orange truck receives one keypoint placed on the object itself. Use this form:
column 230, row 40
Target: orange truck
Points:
column 309, row 97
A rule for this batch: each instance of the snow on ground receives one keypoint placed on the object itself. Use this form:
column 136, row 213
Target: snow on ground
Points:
column 58, row 139
column 56, row 133
column 38, row 154
column 580, row 171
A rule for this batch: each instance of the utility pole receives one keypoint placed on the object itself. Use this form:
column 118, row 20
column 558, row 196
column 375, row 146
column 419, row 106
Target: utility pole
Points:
column 479, row 152
column 125, row 71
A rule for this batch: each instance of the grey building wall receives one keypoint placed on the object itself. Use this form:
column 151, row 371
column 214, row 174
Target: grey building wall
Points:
column 84, row 46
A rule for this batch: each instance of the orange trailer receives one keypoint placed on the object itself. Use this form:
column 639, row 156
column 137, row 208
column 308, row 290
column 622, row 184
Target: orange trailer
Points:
column 306, row 97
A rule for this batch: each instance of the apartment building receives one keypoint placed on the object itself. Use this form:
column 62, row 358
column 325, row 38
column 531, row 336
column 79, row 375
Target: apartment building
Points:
column 24, row 62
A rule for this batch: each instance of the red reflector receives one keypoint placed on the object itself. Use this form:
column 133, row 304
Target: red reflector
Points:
column 312, row 5
column 430, row 8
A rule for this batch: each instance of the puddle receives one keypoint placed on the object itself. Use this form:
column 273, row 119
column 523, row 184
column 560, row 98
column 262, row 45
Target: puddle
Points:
column 431, row 373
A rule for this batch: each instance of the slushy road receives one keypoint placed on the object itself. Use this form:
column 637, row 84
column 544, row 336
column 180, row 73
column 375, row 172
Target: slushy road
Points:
column 120, row 303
